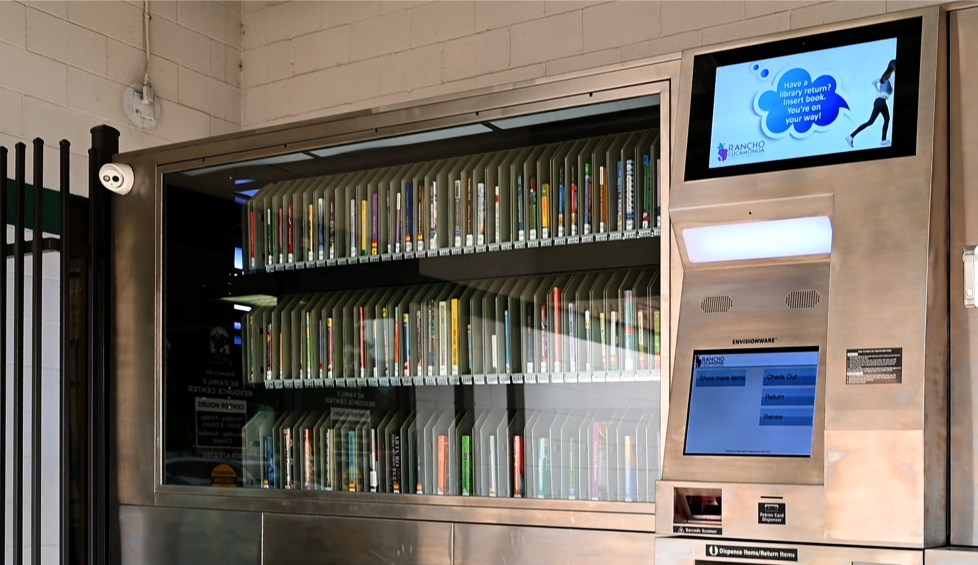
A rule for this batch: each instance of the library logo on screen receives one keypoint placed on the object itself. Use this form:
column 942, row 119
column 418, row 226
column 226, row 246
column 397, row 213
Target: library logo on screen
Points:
column 734, row 151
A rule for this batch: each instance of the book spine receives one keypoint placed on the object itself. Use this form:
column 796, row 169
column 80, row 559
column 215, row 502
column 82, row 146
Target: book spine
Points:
column 373, row 460
column 534, row 209
column 529, row 338
column 494, row 350
column 291, row 233
column 588, row 347
column 282, row 242
column 408, row 217
column 420, row 333
column 545, row 210
column 543, row 468
column 408, row 349
column 398, row 343
column 419, row 485
column 470, row 205
column 561, row 204
column 497, row 227
column 269, row 351
column 657, row 215
column 422, row 201
column 493, row 466
column 332, row 229
column 456, row 354
column 442, row 482
column 269, row 237
column 330, row 367
column 289, row 456
column 353, row 228
column 432, row 338
column 466, row 478
column 444, row 349
column 507, row 342
column 321, row 228
column 397, row 223
column 310, row 346
column 642, row 343
column 621, row 196
column 363, row 341
column 603, row 204
column 613, row 341
column 481, row 216
column 351, row 461
column 587, row 198
column 557, row 328
column 629, row 194
column 252, row 248
column 375, row 224
column 573, row 202
column 311, row 230
column 322, row 347
column 518, row 467
column 396, row 462
column 268, row 476
column 646, row 192
column 603, row 337
column 629, row 331
column 433, row 217
column 388, row 344
column 470, row 364
column 458, row 213
column 309, row 460
column 630, row 471
column 544, row 340
column 520, row 212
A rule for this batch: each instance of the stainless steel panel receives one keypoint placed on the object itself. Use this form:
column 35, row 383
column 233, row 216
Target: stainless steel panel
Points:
column 312, row 539
column 951, row 556
column 676, row 551
column 964, row 322
column 491, row 545
column 149, row 535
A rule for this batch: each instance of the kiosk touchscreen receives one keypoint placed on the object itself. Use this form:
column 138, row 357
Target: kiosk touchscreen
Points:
column 808, row 207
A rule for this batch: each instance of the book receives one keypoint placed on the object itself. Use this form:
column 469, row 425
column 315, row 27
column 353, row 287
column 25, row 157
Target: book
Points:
column 529, row 338
column 444, row 349
column 458, row 213
column 533, row 212
column 328, row 460
column 288, row 456
column 629, row 194
column 309, row 460
column 545, row 210
column 456, row 354
column 494, row 351
column 557, row 327
column 466, row 466
column 373, row 461
column 469, row 204
column 409, row 217
column 646, row 192
column 363, row 341
column 630, row 347
column 481, row 215
column 353, row 228
column 387, row 343
column 506, row 341
column 587, row 198
column 351, row 461
column 291, row 234
column 270, row 238
column 310, row 240
column 397, row 223
column 252, row 248
column 520, row 212
column 398, row 343
column 395, row 462
column 332, row 229
column 442, row 479
column 544, row 340
column 422, row 202
column 432, row 338
column 268, row 474
column 310, row 346
column 561, row 204
column 321, row 225
column 469, row 364
column 433, row 217
column 330, row 336
column 587, row 340
column 281, row 243
column 408, row 349
column 518, row 467
column 375, row 224
column 631, row 485
column 493, row 466
column 603, row 201
column 573, row 202
column 619, row 225
column 497, row 220
column 543, row 468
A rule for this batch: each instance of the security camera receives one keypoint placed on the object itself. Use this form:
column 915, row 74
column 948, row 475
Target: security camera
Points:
column 117, row 177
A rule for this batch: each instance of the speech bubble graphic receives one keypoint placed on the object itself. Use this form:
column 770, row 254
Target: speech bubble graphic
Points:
column 799, row 103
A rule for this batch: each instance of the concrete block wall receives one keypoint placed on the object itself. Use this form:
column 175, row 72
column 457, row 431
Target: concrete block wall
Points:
column 64, row 66
column 309, row 59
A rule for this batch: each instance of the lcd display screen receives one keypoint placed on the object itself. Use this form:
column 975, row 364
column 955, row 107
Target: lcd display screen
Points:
column 833, row 98
column 753, row 402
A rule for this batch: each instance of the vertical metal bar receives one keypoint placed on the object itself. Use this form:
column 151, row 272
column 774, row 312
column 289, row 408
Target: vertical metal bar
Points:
column 37, row 237
column 95, row 509
column 63, row 447
column 18, row 375
column 3, row 348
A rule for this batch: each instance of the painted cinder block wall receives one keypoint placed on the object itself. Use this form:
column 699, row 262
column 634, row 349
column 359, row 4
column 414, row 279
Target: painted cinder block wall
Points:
column 309, row 59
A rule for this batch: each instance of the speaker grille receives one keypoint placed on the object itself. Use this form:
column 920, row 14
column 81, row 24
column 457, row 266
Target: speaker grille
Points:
column 802, row 299
column 716, row 304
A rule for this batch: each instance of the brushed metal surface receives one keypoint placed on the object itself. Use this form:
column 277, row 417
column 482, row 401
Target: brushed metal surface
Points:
column 319, row 539
column 964, row 322
column 150, row 536
column 885, row 445
column 951, row 556
column 482, row 544
column 677, row 551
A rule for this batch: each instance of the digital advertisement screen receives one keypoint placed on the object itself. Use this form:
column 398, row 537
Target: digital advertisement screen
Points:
column 753, row 402
column 827, row 99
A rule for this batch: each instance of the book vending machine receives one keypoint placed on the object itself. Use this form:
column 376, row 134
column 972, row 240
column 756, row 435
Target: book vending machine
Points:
column 808, row 413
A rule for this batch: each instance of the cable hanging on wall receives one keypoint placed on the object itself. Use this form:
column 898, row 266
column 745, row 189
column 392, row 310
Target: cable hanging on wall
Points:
column 139, row 102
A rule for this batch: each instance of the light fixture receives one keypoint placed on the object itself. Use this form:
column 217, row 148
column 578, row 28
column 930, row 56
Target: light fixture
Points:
column 794, row 237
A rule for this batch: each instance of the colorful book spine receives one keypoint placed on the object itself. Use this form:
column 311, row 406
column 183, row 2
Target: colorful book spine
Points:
column 308, row 460
column 444, row 348
column 332, row 229
column 458, row 213
column 432, row 338
column 470, row 205
column 433, row 217
column 518, row 467
column 387, row 343
column 572, row 336
column 621, row 195
column 397, row 223
column 603, row 201
column 408, row 349
column 557, row 331
column 587, row 198
column 398, row 343
column 573, row 202
column 466, row 478
column 493, row 467
column 442, row 479
column 310, row 346
column 311, row 231
column 408, row 217
column 497, row 218
column 353, row 228
column 321, row 228
column 270, row 238
column 422, row 202
column 289, row 457
column 269, row 351
column 481, row 216
column 252, row 248
column 291, row 234
column 629, row 330
column 561, row 204
column 268, row 475
column 629, row 194
column 646, row 192
column 534, row 211
column 330, row 367
column 396, row 462
column 282, row 243
column 545, row 210
column 375, row 224
column 419, row 334
column 631, row 483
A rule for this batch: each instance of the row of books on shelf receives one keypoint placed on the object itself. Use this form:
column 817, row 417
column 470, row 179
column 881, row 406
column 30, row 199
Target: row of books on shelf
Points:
column 586, row 322
column 591, row 455
column 558, row 193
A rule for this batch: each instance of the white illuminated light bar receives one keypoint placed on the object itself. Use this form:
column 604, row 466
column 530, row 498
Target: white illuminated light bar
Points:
column 794, row 237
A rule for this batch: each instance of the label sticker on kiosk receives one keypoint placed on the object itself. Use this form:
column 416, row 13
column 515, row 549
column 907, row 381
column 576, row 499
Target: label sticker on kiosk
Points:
column 753, row 402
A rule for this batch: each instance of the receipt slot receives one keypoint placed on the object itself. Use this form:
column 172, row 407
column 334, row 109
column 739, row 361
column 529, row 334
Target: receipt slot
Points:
column 808, row 409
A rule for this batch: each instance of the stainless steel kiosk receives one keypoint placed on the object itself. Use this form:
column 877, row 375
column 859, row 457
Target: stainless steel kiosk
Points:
column 808, row 411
